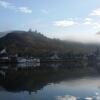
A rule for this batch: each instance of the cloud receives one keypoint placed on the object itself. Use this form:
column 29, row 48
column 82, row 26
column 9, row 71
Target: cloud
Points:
column 88, row 21
column 66, row 97
column 21, row 9
column 5, row 4
column 95, row 12
column 98, row 33
column 25, row 10
column 88, row 98
column 64, row 23
column 95, row 24
column 44, row 11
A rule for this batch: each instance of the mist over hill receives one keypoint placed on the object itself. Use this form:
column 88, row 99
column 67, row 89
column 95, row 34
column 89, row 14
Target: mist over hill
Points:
column 34, row 43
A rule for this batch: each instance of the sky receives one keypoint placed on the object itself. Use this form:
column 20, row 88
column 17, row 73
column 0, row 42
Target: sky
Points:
column 76, row 20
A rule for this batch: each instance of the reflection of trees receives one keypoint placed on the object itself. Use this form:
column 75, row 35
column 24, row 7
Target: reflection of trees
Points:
column 36, row 78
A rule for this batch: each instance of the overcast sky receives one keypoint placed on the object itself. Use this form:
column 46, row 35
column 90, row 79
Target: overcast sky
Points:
column 77, row 20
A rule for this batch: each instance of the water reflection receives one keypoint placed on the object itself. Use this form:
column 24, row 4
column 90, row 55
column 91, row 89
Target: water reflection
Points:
column 69, row 97
column 66, row 78
column 66, row 97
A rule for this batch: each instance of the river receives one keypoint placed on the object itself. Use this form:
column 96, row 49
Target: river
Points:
column 50, row 81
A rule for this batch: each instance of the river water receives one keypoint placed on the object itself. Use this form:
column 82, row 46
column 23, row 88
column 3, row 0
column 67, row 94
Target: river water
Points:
column 50, row 81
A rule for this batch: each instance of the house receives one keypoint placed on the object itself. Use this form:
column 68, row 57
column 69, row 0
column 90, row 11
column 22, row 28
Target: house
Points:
column 4, row 56
column 55, row 57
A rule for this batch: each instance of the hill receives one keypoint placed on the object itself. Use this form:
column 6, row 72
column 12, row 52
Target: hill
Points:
column 34, row 43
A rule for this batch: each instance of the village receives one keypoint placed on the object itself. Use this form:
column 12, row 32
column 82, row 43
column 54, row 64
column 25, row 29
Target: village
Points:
column 14, row 58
